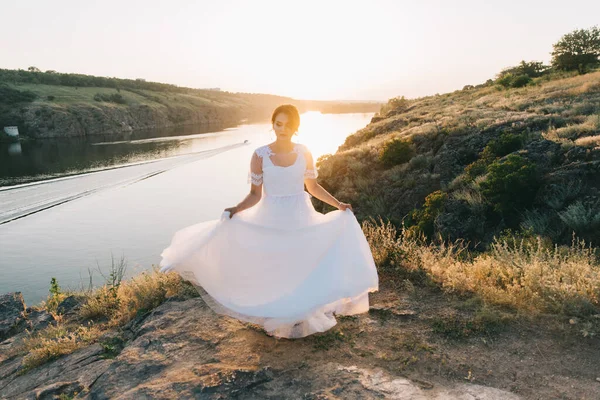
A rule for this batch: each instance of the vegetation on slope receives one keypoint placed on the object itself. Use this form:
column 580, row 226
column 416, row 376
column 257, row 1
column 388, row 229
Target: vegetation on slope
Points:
column 473, row 163
column 501, row 155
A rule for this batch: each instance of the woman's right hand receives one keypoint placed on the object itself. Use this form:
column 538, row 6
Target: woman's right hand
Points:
column 231, row 210
column 345, row 206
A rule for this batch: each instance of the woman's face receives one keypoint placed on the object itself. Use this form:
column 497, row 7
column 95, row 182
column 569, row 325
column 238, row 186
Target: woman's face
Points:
column 281, row 128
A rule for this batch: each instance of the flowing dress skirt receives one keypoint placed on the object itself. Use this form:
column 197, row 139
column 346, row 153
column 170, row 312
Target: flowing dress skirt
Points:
column 280, row 264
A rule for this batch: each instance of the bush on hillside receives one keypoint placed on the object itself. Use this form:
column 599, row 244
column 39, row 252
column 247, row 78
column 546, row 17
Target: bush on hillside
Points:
column 532, row 69
column 502, row 146
column 521, row 75
column 513, row 81
column 11, row 96
column 394, row 106
column 424, row 219
column 476, row 168
column 520, row 81
column 396, row 152
column 583, row 218
column 111, row 98
column 511, row 185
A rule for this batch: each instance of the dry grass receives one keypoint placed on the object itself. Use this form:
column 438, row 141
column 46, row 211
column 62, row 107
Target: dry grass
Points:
column 526, row 275
column 590, row 141
column 105, row 308
column 138, row 295
column 56, row 341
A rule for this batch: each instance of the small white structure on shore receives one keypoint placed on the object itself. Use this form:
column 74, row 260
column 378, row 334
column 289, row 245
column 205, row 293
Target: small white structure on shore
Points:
column 11, row 131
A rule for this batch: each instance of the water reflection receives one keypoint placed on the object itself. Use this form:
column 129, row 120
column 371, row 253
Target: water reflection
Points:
column 42, row 159
column 14, row 149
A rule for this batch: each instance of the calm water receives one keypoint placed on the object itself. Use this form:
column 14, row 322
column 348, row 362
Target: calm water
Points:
column 67, row 226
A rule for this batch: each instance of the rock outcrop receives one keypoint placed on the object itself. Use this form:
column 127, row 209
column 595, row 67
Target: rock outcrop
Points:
column 173, row 352
column 12, row 314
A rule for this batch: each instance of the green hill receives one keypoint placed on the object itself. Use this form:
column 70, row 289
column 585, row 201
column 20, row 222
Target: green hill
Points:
column 49, row 104
column 471, row 164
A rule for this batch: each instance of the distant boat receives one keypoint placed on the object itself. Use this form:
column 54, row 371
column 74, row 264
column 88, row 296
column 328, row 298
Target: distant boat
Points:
column 11, row 131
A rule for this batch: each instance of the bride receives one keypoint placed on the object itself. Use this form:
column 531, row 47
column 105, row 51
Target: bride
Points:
column 273, row 260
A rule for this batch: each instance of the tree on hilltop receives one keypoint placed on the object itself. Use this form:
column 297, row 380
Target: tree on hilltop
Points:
column 578, row 50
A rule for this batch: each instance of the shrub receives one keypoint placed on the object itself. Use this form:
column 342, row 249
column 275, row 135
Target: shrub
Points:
column 513, row 81
column 421, row 161
column 396, row 152
column 56, row 296
column 538, row 222
column 510, row 185
column 117, row 98
column 504, row 145
column 476, row 168
column 112, row 98
column 425, row 217
column 521, row 75
column 532, row 69
column 582, row 218
column 394, row 106
column 51, row 98
column 520, row 81
column 11, row 96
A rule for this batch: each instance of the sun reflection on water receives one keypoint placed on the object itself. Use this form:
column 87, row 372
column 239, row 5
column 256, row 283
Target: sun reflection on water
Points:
column 324, row 133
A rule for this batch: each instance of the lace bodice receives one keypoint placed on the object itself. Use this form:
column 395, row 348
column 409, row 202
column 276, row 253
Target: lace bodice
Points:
column 282, row 180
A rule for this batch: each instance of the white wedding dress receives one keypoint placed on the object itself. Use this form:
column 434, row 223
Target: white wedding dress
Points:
column 280, row 264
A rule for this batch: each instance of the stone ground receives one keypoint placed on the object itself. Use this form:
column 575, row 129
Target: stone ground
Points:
column 415, row 343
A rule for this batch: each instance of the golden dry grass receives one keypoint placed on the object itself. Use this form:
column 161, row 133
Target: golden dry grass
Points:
column 103, row 309
column 527, row 275
column 56, row 341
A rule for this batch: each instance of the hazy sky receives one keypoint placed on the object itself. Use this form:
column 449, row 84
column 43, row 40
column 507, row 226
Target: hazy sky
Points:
column 309, row 49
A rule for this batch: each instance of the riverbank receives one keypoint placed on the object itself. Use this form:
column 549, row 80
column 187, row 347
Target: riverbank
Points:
column 53, row 110
column 152, row 336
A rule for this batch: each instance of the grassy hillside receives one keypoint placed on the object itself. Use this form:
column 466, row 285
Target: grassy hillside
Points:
column 48, row 104
column 471, row 164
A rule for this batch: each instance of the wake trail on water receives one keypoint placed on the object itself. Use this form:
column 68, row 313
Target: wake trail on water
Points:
column 23, row 200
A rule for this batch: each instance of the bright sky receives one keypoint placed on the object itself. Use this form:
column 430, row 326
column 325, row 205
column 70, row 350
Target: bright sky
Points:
column 309, row 49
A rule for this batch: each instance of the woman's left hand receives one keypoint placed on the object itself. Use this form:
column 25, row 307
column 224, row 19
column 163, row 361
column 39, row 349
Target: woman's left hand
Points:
column 344, row 206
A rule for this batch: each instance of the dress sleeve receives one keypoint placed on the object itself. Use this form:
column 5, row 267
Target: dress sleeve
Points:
column 255, row 175
column 311, row 167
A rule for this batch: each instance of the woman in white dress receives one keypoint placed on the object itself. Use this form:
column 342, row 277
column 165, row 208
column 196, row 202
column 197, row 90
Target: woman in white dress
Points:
column 273, row 259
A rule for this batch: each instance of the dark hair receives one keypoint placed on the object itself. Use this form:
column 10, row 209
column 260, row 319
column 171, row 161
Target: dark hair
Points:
column 292, row 113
